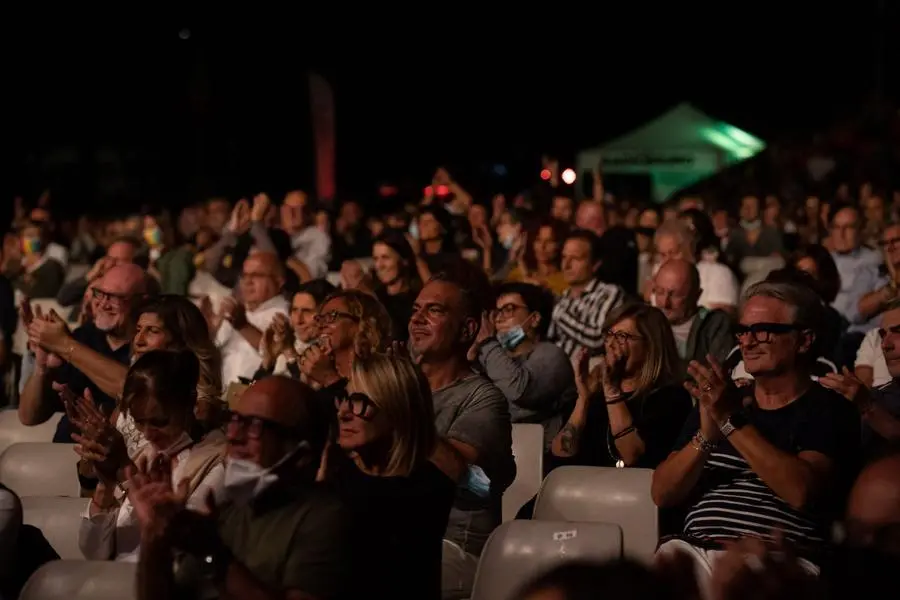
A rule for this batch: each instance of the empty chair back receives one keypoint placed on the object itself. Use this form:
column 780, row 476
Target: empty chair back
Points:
column 528, row 450
column 40, row 469
column 12, row 431
column 604, row 495
column 519, row 550
column 81, row 580
column 59, row 519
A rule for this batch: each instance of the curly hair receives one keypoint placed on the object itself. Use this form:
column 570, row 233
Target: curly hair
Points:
column 374, row 334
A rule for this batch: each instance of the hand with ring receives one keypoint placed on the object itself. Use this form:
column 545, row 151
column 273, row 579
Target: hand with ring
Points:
column 713, row 389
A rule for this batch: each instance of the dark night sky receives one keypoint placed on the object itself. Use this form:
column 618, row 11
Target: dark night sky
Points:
column 411, row 96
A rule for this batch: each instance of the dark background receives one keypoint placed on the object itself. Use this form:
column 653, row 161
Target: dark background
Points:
column 115, row 112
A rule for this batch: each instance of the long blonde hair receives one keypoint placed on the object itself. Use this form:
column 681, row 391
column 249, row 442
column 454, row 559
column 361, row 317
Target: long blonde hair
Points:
column 402, row 394
column 662, row 365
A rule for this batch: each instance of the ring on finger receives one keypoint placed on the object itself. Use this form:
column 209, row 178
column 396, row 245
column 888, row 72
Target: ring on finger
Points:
column 707, row 387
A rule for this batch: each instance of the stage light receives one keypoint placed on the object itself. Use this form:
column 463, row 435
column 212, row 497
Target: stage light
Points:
column 545, row 174
column 568, row 176
column 442, row 190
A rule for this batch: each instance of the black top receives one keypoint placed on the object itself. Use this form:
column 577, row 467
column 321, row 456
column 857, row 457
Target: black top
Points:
column 397, row 531
column 399, row 307
column 732, row 501
column 77, row 381
column 658, row 418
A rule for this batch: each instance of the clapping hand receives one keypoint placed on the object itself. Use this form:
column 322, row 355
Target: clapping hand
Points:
column 98, row 441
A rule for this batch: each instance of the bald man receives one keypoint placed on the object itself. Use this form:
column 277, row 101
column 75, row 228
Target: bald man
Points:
column 280, row 535
column 873, row 510
column 240, row 324
column 675, row 290
column 113, row 296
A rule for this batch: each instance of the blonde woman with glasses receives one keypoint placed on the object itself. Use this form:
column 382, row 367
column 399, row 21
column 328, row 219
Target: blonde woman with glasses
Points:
column 630, row 409
column 380, row 465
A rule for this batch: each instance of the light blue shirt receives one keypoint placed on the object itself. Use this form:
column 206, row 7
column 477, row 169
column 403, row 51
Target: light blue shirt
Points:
column 860, row 274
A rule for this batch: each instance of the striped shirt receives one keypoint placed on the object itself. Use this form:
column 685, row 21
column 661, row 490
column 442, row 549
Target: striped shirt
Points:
column 733, row 501
column 578, row 321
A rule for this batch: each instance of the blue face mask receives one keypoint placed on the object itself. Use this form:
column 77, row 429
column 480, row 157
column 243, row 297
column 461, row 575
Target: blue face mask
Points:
column 414, row 230
column 512, row 338
column 477, row 482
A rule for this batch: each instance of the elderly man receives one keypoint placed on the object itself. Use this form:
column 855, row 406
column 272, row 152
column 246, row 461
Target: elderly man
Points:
column 239, row 325
column 698, row 331
column 113, row 297
column 777, row 456
column 277, row 534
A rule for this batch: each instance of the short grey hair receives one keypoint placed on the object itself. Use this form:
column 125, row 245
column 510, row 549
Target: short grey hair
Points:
column 679, row 229
column 806, row 303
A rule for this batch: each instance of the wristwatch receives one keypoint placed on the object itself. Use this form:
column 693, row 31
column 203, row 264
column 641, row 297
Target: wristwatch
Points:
column 733, row 423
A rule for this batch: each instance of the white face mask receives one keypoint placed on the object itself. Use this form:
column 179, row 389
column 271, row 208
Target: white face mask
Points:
column 245, row 480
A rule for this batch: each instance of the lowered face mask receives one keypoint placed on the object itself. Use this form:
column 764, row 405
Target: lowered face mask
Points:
column 245, row 480
column 511, row 338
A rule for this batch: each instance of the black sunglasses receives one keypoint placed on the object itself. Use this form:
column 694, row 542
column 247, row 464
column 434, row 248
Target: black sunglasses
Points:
column 360, row 404
column 763, row 332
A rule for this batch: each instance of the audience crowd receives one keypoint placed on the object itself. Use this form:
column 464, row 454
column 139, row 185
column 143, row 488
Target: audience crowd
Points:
column 290, row 400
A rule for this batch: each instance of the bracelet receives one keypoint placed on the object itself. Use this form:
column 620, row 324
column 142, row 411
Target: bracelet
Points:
column 624, row 432
column 68, row 350
column 617, row 399
column 701, row 444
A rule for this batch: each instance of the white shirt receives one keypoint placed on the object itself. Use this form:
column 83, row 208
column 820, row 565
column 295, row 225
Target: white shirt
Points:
column 239, row 358
column 870, row 354
column 718, row 284
column 119, row 531
column 312, row 247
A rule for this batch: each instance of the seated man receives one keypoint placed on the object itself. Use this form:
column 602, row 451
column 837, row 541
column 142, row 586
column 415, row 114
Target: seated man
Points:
column 278, row 533
column 239, row 326
column 698, row 331
column 779, row 457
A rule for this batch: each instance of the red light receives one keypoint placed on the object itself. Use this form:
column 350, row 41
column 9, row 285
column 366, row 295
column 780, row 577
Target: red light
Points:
column 442, row 190
column 428, row 191
column 545, row 174
column 386, row 191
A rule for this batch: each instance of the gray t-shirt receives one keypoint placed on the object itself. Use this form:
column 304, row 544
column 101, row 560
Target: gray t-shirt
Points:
column 473, row 411
column 538, row 385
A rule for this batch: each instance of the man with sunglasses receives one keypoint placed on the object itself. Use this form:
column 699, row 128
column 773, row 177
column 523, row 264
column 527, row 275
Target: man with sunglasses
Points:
column 276, row 533
column 778, row 455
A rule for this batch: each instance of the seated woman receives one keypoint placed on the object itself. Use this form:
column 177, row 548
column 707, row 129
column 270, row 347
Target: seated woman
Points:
column 284, row 342
column 159, row 396
column 350, row 323
column 630, row 410
column 164, row 322
column 399, row 500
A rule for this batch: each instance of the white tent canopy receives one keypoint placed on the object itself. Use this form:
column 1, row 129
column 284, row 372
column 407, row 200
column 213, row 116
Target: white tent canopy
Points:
column 675, row 150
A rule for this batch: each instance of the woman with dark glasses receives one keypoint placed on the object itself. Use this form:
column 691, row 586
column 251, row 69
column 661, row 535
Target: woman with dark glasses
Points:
column 380, row 466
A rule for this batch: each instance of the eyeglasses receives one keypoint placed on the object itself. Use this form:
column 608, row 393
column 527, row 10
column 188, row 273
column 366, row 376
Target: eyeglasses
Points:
column 253, row 427
column 360, row 405
column 101, row 296
column 762, row 332
column 889, row 243
column 622, row 336
column 507, row 310
column 331, row 317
